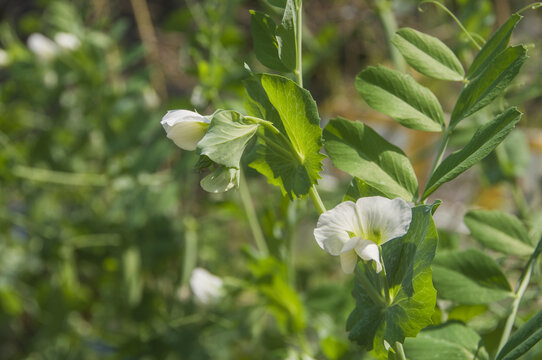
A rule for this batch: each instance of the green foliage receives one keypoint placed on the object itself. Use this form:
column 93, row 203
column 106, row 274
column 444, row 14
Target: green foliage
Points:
column 401, row 97
column 523, row 339
column 289, row 155
column 499, row 231
column 450, row 341
column 493, row 47
column 482, row 143
column 407, row 261
column 360, row 151
column 275, row 46
column 469, row 277
column 428, row 55
column 227, row 138
column 490, row 84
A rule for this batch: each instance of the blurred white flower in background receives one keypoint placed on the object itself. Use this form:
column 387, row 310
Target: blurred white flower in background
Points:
column 4, row 58
column 67, row 41
column 185, row 128
column 206, row 287
column 45, row 48
column 357, row 229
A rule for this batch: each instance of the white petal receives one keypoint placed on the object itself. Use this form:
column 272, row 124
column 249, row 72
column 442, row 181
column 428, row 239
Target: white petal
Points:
column 335, row 228
column 67, row 41
column 42, row 46
column 383, row 219
column 185, row 128
column 368, row 250
column 349, row 260
column 207, row 288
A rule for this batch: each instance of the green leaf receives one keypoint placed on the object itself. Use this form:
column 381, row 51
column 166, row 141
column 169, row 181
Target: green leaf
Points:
column 513, row 155
column 450, row 341
column 275, row 46
column 227, row 138
column 469, row 277
column 490, row 84
column 358, row 189
column 497, row 43
column 289, row 158
column 220, row 180
column 400, row 97
column 361, row 152
column 482, row 143
column 523, row 339
column 499, row 231
column 464, row 313
column 277, row 3
column 407, row 261
column 428, row 55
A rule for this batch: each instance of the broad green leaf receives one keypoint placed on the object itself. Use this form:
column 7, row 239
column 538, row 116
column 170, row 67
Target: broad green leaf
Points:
column 400, row 97
column 358, row 189
column 291, row 158
column 428, row 55
column 482, row 143
column 227, row 138
column 490, row 84
column 499, row 231
column 411, row 289
column 469, row 277
column 523, row 339
column 275, row 46
column 361, row 152
column 464, row 313
column 220, row 180
column 266, row 45
column 513, row 155
column 286, row 36
column 450, row 341
column 497, row 43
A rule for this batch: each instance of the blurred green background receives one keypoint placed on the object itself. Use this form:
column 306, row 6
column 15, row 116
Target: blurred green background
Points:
column 102, row 219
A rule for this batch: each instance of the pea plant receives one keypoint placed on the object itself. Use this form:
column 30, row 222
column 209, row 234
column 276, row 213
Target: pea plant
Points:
column 383, row 231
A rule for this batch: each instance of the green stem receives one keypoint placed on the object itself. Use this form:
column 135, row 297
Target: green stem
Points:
column 384, row 278
column 299, row 42
column 520, row 291
column 246, row 200
column 317, row 200
column 385, row 13
column 532, row 6
column 400, row 351
column 440, row 154
column 475, row 43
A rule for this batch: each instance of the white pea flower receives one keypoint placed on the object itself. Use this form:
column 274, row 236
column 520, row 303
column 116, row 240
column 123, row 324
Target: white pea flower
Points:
column 4, row 58
column 67, row 41
column 357, row 229
column 42, row 46
column 206, row 287
column 185, row 128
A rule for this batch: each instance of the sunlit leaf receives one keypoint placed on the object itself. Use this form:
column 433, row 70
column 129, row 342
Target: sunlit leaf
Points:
column 469, row 277
column 361, row 152
column 490, row 84
column 450, row 341
column 499, row 231
column 482, row 143
column 400, row 97
column 428, row 55
column 523, row 339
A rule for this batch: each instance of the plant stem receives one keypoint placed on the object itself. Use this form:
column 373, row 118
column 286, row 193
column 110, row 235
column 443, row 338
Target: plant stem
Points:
column 317, row 200
column 532, row 6
column 520, row 291
column 246, row 200
column 384, row 279
column 440, row 154
column 385, row 13
column 369, row 288
column 475, row 43
column 400, row 351
column 299, row 42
